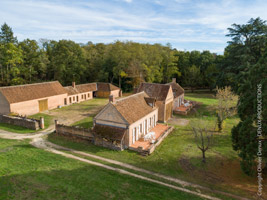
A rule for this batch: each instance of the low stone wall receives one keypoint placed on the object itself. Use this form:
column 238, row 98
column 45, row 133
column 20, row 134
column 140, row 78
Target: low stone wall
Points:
column 86, row 135
column 107, row 144
column 21, row 121
column 76, row 132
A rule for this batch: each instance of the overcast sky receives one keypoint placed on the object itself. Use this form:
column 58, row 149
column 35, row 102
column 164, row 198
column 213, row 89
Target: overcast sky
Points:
column 186, row 24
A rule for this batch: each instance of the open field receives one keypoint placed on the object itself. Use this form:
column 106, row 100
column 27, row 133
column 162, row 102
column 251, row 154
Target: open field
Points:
column 30, row 173
column 179, row 157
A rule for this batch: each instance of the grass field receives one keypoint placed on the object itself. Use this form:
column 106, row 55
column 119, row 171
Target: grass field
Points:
column 15, row 129
column 48, row 119
column 30, row 173
column 84, row 123
column 178, row 155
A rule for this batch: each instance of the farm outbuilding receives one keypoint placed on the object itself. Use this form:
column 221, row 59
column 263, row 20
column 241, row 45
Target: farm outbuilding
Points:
column 104, row 90
column 79, row 93
column 178, row 93
column 163, row 96
column 31, row 98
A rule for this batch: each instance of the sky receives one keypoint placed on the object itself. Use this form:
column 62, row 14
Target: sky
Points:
column 185, row 24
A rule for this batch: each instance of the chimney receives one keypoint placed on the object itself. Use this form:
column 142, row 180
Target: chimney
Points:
column 174, row 80
column 73, row 84
column 112, row 99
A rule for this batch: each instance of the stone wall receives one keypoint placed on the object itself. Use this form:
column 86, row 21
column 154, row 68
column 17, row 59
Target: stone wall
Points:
column 86, row 135
column 108, row 144
column 81, row 133
column 21, row 121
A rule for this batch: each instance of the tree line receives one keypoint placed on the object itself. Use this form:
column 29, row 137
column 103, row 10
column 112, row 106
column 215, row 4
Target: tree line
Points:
column 124, row 64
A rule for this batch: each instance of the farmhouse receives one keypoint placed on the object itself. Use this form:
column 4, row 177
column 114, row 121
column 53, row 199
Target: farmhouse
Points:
column 164, row 98
column 31, row 98
column 79, row 93
column 104, row 90
column 178, row 93
column 123, row 122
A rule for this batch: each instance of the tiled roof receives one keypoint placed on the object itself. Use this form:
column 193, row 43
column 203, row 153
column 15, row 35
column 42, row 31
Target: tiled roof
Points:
column 71, row 91
column 88, row 87
column 133, row 107
column 106, row 87
column 20, row 93
column 176, row 89
column 109, row 132
column 155, row 90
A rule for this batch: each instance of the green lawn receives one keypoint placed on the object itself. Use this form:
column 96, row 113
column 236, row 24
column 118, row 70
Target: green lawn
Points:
column 84, row 123
column 178, row 155
column 15, row 129
column 48, row 119
column 85, row 105
column 30, row 173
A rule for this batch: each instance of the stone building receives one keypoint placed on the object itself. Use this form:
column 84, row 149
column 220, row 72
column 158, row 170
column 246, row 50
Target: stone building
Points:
column 31, row 98
column 163, row 96
column 122, row 122
column 104, row 90
column 178, row 93
column 79, row 93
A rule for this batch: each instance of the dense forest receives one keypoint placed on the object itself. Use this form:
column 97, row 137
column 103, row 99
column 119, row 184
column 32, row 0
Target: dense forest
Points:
column 124, row 64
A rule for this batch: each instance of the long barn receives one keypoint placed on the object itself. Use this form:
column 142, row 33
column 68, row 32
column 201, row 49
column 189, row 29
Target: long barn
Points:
column 31, row 98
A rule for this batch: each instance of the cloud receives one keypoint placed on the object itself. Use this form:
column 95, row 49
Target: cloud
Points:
column 186, row 24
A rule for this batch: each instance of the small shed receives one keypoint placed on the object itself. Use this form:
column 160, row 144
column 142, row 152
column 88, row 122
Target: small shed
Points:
column 104, row 90
column 109, row 136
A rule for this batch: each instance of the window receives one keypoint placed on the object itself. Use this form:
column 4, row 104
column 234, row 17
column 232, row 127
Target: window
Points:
column 88, row 95
column 82, row 96
column 70, row 99
column 73, row 98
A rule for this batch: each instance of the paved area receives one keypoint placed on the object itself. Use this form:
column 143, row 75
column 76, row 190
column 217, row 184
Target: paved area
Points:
column 159, row 129
column 176, row 120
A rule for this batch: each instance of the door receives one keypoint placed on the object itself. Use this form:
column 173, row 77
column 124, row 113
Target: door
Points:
column 133, row 135
column 43, row 105
column 65, row 101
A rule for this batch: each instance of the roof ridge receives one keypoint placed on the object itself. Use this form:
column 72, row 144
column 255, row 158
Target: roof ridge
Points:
column 84, row 84
column 156, row 83
column 122, row 99
column 30, row 84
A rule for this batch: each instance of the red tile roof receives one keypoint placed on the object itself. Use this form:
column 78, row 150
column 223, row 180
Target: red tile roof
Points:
column 155, row 90
column 20, row 93
column 133, row 107
column 106, row 87
column 176, row 89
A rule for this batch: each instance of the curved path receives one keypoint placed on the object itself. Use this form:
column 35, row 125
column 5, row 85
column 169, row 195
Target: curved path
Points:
column 39, row 142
